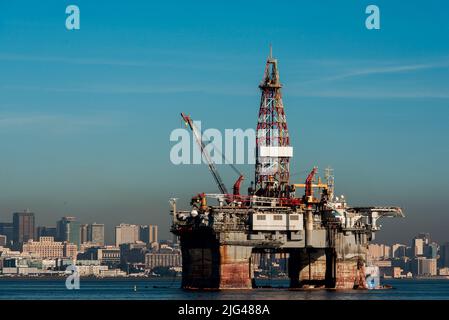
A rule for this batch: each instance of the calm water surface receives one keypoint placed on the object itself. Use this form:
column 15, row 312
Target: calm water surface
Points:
column 166, row 289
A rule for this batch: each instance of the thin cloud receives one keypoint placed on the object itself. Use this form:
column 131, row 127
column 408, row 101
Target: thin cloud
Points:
column 382, row 70
column 391, row 69
column 326, row 86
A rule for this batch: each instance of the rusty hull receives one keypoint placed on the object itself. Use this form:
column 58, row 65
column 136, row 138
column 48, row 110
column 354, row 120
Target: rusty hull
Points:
column 235, row 267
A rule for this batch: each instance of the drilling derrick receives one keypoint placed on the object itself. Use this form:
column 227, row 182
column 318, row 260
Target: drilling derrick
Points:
column 273, row 150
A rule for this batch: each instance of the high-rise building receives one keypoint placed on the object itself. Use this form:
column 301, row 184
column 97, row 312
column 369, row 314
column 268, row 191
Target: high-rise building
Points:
column 68, row 229
column 95, row 233
column 43, row 231
column 149, row 233
column 387, row 252
column 431, row 250
column 144, row 234
column 23, row 227
column 416, row 266
column 126, row 233
column 154, row 234
column 424, row 267
column 410, row 252
column 398, row 251
column 379, row 252
column 418, row 247
column 429, row 267
column 425, row 237
column 84, row 233
column 6, row 229
column 444, row 256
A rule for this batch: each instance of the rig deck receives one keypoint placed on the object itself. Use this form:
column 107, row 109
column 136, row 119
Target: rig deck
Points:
column 323, row 251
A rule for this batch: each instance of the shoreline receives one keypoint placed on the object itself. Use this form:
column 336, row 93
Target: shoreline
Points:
column 38, row 278
column 140, row 278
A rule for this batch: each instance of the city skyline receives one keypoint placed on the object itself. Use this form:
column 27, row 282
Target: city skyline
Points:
column 93, row 233
column 423, row 257
column 80, row 113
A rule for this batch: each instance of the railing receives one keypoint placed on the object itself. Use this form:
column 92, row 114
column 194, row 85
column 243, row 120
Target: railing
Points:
column 253, row 200
column 381, row 211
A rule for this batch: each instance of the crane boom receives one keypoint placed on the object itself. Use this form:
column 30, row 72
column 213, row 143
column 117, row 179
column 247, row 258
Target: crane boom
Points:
column 210, row 163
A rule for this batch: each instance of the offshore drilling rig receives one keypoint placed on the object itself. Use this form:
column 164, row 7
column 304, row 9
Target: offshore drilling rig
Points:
column 324, row 239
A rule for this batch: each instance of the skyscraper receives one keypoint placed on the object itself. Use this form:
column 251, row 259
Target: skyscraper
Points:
column 422, row 266
column 126, row 233
column 444, row 255
column 144, row 234
column 96, row 233
column 23, row 227
column 68, row 229
column 149, row 233
column 6, row 229
column 398, row 250
column 154, row 234
column 379, row 251
column 418, row 247
column 425, row 237
column 84, row 233
column 431, row 250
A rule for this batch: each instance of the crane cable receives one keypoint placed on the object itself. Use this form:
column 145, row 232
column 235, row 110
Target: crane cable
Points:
column 226, row 161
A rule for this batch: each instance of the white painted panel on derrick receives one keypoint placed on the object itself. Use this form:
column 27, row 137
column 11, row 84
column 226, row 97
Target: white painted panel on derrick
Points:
column 286, row 152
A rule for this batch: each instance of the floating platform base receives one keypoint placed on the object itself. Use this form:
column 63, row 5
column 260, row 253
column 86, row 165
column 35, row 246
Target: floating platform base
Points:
column 210, row 263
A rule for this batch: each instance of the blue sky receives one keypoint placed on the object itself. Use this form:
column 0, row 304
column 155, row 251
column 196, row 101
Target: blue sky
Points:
column 85, row 116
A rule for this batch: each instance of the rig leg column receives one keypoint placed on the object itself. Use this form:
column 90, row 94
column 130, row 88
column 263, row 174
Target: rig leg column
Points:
column 346, row 273
column 350, row 257
column 200, row 262
column 293, row 268
column 235, row 267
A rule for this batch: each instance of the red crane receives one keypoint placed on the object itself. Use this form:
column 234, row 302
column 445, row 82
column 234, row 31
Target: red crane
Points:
column 309, row 183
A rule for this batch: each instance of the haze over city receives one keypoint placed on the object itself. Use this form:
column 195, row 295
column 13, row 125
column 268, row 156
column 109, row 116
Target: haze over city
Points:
column 85, row 117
